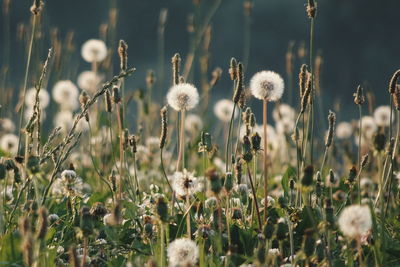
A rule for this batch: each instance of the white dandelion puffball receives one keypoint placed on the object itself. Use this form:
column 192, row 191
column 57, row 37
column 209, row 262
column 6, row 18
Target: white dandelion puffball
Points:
column 30, row 98
column 28, row 112
column 9, row 143
column 183, row 96
column 182, row 252
column 223, row 110
column 355, row 221
column 284, row 112
column 184, row 183
column 7, row 125
column 66, row 94
column 344, row 130
column 89, row 81
column 193, row 123
column 267, row 85
column 369, row 126
column 382, row 116
column 64, row 119
column 94, row 50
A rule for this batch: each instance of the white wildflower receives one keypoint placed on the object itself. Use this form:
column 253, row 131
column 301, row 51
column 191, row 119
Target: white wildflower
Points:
column 369, row 126
column 182, row 252
column 382, row 116
column 7, row 125
column 184, row 183
column 9, row 143
column 267, row 85
column 355, row 221
column 94, row 50
column 66, row 94
column 89, row 81
column 284, row 112
column 183, row 96
column 193, row 123
column 30, row 98
column 68, row 185
column 344, row 130
column 223, row 110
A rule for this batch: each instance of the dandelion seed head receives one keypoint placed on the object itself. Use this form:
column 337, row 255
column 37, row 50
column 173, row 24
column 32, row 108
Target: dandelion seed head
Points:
column 94, row 50
column 183, row 96
column 193, row 123
column 369, row 126
column 267, row 85
column 9, row 143
column 344, row 130
column 63, row 119
column 283, row 112
column 382, row 116
column 89, row 81
column 66, row 94
column 7, row 125
column 30, row 98
column 355, row 221
column 223, row 110
column 181, row 252
column 184, row 183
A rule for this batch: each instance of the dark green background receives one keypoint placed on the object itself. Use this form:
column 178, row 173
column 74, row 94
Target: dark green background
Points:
column 358, row 39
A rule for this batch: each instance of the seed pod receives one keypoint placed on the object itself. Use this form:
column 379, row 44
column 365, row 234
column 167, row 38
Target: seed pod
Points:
column 306, row 96
column 331, row 129
column 364, row 160
column 83, row 98
column 108, row 101
column 116, row 96
column 233, row 69
column 311, row 9
column 246, row 115
column 215, row 181
column 238, row 171
column 86, row 223
column 352, row 175
column 42, row 223
column 396, row 98
column 133, row 143
column 252, row 120
column 162, row 209
column 303, row 79
column 379, row 140
column 228, row 184
column 242, row 100
column 269, row 230
column 393, row 82
column 98, row 210
column 256, row 142
column 359, row 98
column 291, row 184
column 239, row 84
column 237, row 214
column 247, row 153
column 307, row 179
column 164, row 127
column 37, row 7
column 176, row 59
column 123, row 55
column 331, row 177
column 113, row 180
column 281, row 231
column 309, row 243
column 206, row 141
column 216, row 75
column 125, row 138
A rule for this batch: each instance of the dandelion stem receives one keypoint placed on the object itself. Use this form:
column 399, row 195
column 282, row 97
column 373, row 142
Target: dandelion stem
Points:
column 228, row 139
column 265, row 159
column 255, row 198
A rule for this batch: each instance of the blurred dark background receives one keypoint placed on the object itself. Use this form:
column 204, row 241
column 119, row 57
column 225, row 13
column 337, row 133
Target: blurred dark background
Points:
column 358, row 39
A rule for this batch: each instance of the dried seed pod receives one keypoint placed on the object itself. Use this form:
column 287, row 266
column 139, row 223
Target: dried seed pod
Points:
column 303, row 79
column 123, row 55
column 216, row 75
column 215, row 180
column 247, row 154
column 256, row 142
column 364, row 160
column 238, row 171
column 42, row 223
column 162, row 209
column 239, row 84
column 108, row 101
column 396, row 98
column 133, row 143
column 233, row 69
column 37, row 7
column 359, row 98
column 352, row 176
column 176, row 59
column 331, row 129
column 164, row 126
column 306, row 96
column 228, row 184
column 311, row 9
column 307, row 179
column 116, row 96
column 393, row 82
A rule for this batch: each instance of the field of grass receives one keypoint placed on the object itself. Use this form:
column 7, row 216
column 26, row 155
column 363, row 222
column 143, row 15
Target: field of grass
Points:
column 95, row 173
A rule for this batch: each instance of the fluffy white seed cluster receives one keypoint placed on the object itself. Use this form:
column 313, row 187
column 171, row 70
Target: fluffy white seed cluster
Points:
column 193, row 123
column 182, row 252
column 267, row 85
column 223, row 110
column 30, row 97
column 344, row 130
column 66, row 94
column 183, row 96
column 89, row 81
column 9, row 143
column 94, row 50
column 382, row 116
column 355, row 221
column 184, row 183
